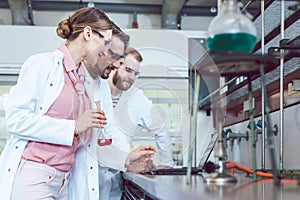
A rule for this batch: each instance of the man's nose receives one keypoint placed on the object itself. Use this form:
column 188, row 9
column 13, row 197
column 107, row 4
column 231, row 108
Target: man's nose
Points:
column 116, row 64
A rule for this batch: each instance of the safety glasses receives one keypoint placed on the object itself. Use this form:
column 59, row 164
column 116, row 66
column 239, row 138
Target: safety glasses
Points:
column 107, row 42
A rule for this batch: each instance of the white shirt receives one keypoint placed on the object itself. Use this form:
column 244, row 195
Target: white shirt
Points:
column 135, row 116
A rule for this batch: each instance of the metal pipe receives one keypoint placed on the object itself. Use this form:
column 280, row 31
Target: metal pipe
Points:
column 263, row 132
column 194, row 11
column 281, row 164
column 219, row 2
column 107, row 7
column 21, row 12
column 169, row 13
column 116, row 7
column 252, row 133
column 246, row 6
column 270, row 135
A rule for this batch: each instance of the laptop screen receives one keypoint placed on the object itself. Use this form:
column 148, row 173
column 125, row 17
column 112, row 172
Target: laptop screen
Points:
column 208, row 151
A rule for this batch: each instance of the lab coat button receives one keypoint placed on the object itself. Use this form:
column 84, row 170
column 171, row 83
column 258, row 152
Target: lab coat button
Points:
column 51, row 84
column 41, row 108
column 8, row 170
column 91, row 167
column 93, row 189
column 16, row 147
column 58, row 63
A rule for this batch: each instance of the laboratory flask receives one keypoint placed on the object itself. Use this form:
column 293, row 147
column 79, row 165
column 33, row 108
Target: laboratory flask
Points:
column 104, row 138
column 230, row 30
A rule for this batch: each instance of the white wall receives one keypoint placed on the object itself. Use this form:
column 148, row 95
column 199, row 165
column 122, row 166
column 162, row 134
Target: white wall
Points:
column 241, row 152
column 159, row 47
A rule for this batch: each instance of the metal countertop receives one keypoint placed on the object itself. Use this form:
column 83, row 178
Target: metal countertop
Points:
column 175, row 187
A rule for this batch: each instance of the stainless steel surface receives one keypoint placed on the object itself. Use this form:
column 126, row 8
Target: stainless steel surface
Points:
column 175, row 188
column 220, row 179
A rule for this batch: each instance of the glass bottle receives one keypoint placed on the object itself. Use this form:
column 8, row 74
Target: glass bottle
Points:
column 104, row 139
column 230, row 30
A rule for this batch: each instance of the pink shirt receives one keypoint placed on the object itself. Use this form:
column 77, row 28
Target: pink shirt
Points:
column 66, row 106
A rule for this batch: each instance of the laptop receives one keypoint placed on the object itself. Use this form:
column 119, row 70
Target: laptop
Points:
column 195, row 170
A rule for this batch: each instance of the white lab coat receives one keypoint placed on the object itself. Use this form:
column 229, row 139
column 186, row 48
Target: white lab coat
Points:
column 84, row 184
column 134, row 116
column 40, row 82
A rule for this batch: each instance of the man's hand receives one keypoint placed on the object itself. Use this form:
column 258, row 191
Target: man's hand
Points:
column 141, row 167
column 141, row 154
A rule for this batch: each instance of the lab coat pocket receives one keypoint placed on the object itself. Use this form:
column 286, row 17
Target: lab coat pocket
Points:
column 42, row 178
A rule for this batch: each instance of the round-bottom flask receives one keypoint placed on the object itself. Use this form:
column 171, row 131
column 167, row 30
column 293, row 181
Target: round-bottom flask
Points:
column 231, row 31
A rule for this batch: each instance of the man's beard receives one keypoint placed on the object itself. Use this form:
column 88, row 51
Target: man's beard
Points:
column 117, row 81
column 115, row 78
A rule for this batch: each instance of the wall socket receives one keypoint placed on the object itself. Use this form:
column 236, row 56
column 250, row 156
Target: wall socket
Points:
column 246, row 105
column 293, row 87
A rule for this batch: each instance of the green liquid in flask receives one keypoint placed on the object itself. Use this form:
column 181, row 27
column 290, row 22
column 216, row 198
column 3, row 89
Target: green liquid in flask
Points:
column 232, row 42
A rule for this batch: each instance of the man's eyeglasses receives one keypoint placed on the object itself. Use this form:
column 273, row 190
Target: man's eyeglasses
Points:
column 115, row 56
column 130, row 71
column 107, row 43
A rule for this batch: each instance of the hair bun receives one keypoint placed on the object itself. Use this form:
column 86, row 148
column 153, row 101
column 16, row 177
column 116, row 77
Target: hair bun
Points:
column 64, row 29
